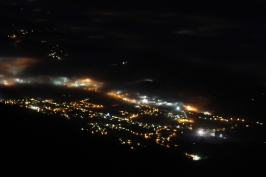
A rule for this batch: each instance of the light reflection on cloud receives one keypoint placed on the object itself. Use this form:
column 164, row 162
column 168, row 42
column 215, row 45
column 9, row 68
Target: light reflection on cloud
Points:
column 15, row 66
column 16, row 71
column 86, row 83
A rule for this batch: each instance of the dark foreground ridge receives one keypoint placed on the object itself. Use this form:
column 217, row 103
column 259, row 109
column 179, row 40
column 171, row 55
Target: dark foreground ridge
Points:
column 46, row 144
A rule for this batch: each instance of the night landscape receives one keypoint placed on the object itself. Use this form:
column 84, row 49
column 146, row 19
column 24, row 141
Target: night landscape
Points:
column 127, row 88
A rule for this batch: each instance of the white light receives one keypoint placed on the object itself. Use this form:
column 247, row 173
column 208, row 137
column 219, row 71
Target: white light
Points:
column 195, row 157
column 34, row 107
column 178, row 108
column 200, row 132
column 206, row 113
column 144, row 100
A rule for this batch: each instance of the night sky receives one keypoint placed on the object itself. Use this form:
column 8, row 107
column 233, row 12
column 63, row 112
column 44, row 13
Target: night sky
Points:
column 208, row 48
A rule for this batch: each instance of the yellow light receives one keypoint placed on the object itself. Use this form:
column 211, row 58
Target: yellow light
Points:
column 189, row 108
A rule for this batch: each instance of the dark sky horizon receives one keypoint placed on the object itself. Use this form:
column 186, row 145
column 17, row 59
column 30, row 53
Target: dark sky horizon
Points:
column 221, row 35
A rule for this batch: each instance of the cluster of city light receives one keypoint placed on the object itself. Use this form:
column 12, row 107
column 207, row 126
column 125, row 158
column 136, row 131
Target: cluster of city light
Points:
column 82, row 109
column 57, row 53
column 145, row 101
column 13, row 81
column 145, row 107
column 19, row 35
column 219, row 118
column 103, row 123
column 59, row 81
column 184, row 120
column 22, row 33
column 165, row 140
column 126, row 98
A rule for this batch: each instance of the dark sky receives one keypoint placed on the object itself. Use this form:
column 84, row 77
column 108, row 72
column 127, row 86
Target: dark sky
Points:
column 223, row 35
column 187, row 42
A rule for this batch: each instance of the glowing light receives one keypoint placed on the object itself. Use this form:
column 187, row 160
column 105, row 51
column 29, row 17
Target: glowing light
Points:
column 206, row 113
column 200, row 132
column 34, row 107
column 195, row 157
column 189, row 108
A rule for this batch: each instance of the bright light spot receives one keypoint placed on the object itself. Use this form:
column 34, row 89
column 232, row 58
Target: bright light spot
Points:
column 144, row 100
column 189, row 108
column 177, row 108
column 206, row 113
column 200, row 132
column 195, row 157
column 34, row 107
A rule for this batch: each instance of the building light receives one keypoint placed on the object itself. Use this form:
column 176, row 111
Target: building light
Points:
column 195, row 157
